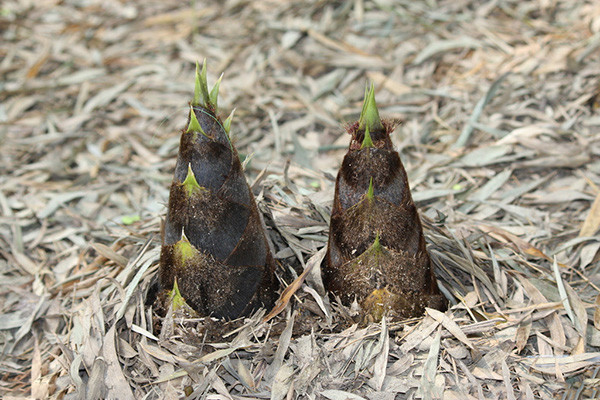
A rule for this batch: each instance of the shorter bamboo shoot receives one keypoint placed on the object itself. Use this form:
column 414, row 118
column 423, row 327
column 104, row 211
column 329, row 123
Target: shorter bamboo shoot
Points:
column 376, row 252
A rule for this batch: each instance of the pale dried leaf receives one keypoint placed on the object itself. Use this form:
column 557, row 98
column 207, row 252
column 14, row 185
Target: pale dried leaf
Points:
column 428, row 387
column 592, row 220
column 333, row 394
column 450, row 325
column 116, row 385
column 522, row 335
column 381, row 360
column 510, row 393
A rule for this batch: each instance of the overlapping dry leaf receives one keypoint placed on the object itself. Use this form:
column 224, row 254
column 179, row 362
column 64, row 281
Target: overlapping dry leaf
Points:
column 500, row 111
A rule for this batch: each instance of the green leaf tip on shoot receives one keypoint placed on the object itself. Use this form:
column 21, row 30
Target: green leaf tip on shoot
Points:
column 190, row 184
column 201, row 86
column 372, row 253
column 197, row 86
column 377, row 247
column 214, row 93
column 227, row 122
column 202, row 97
column 369, row 116
column 184, row 248
column 370, row 191
column 367, row 141
column 177, row 299
column 194, row 125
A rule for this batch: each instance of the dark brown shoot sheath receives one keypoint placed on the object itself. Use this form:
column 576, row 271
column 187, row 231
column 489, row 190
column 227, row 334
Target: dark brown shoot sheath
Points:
column 376, row 252
column 214, row 243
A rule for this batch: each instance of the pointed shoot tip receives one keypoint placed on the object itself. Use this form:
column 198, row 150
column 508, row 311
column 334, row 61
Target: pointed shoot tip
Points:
column 370, row 191
column 214, row 93
column 227, row 122
column 202, row 86
column 177, row 299
column 369, row 116
column 190, row 184
column 376, row 244
column 202, row 96
column 197, row 86
column 185, row 249
column 194, row 125
column 367, row 141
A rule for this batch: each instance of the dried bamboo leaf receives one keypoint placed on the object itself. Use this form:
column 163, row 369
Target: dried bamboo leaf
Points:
column 566, row 364
column 484, row 156
column 450, row 325
column 426, row 328
column 105, row 96
column 597, row 313
column 217, row 354
column 150, row 259
column 282, row 348
column 75, row 378
column 588, row 254
column 580, row 314
column 592, row 220
column 442, row 46
column 38, row 390
column 289, row 291
column 246, row 377
column 491, row 186
column 96, row 388
column 565, row 298
column 428, row 386
column 468, row 129
column 334, row 394
column 522, row 335
column 381, row 360
column 510, row 393
column 116, row 385
column 282, row 382
column 110, row 254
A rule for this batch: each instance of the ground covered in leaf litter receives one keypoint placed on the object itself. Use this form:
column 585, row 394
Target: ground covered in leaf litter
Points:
column 500, row 113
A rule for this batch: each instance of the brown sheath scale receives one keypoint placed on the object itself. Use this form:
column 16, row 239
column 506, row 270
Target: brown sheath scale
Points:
column 376, row 252
column 213, row 242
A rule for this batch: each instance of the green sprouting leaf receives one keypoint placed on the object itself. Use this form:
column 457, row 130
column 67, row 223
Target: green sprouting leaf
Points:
column 197, row 86
column 184, row 248
column 214, row 93
column 204, row 84
column 369, row 116
column 190, row 184
column 227, row 123
column 194, row 125
column 376, row 247
column 370, row 191
column 367, row 141
column 202, row 97
column 177, row 299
